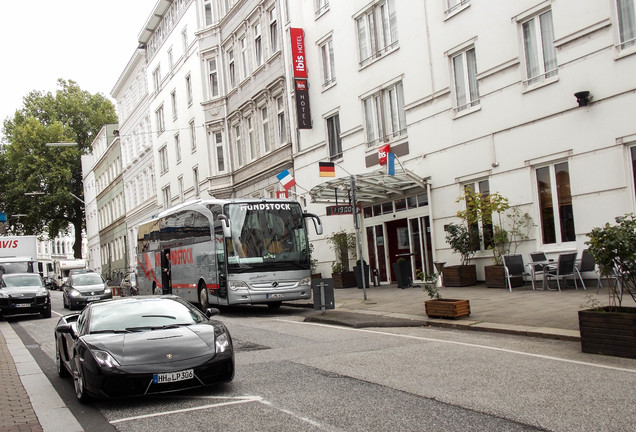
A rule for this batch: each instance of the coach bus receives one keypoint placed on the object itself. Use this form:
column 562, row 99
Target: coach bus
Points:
column 227, row 252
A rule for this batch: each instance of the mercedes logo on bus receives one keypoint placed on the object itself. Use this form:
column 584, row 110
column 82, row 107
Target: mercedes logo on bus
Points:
column 274, row 284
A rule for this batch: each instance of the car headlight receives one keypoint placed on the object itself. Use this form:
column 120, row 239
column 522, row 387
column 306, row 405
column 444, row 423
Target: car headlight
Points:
column 3, row 294
column 222, row 340
column 107, row 290
column 42, row 293
column 74, row 293
column 237, row 285
column 104, row 359
column 305, row 281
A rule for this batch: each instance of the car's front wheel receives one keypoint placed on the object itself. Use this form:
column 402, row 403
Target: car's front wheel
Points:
column 78, row 381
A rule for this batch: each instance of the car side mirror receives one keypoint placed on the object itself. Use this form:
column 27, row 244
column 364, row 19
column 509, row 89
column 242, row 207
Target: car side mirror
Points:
column 210, row 312
column 68, row 328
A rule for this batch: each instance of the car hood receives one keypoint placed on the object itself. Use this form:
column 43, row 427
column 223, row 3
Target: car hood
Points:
column 156, row 346
column 25, row 291
column 89, row 288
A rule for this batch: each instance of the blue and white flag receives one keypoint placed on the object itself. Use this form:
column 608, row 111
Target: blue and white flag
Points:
column 286, row 179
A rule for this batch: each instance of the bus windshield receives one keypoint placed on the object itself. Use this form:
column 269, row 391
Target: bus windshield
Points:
column 267, row 235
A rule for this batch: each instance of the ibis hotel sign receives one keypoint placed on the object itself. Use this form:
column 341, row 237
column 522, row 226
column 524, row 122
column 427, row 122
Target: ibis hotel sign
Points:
column 301, row 87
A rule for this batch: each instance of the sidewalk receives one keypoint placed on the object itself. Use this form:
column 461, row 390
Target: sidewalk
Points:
column 29, row 403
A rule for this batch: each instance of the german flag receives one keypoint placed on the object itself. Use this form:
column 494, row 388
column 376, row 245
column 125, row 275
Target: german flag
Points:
column 327, row 169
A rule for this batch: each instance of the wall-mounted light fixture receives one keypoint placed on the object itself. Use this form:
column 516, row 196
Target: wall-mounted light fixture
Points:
column 582, row 98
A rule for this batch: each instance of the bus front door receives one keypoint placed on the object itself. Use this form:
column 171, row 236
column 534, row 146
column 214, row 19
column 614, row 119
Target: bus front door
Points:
column 166, row 272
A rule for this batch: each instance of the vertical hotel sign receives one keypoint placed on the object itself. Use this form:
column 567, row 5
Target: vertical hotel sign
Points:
column 301, row 89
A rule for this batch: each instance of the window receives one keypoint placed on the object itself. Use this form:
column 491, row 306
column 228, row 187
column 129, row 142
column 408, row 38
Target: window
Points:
column 481, row 232
column 220, row 158
column 207, row 12
column 213, row 78
column 265, row 129
column 632, row 151
column 553, row 185
column 626, row 15
column 333, row 135
column 177, row 147
column 170, row 60
column 321, row 6
column 465, row 74
column 156, row 78
column 282, row 128
column 258, row 45
column 231, row 68
column 538, row 44
column 188, row 81
column 377, row 31
column 238, row 148
column 328, row 66
column 193, row 136
column 184, row 41
column 195, row 180
column 273, row 30
column 251, row 138
column 163, row 159
column 161, row 125
column 173, row 101
column 166, row 197
column 245, row 70
column 180, row 183
column 384, row 115
column 455, row 5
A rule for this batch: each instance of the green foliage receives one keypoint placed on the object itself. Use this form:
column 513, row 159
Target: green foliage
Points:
column 458, row 238
column 614, row 250
column 430, row 286
column 27, row 165
column 343, row 244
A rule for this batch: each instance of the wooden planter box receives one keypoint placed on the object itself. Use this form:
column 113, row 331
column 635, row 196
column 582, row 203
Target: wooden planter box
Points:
column 608, row 333
column 344, row 279
column 459, row 275
column 447, row 308
column 496, row 277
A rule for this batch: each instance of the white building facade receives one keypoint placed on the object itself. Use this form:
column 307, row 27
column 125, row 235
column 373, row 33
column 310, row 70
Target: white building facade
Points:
column 473, row 94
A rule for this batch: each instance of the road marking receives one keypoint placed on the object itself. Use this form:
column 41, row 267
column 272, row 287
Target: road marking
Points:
column 232, row 401
column 541, row 356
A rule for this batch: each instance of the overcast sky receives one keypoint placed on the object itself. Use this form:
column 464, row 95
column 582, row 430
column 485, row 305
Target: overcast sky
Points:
column 87, row 41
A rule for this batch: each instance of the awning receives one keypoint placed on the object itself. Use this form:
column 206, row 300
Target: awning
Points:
column 372, row 187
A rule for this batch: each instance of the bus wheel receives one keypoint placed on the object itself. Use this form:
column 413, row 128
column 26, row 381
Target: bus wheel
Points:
column 274, row 305
column 156, row 290
column 203, row 298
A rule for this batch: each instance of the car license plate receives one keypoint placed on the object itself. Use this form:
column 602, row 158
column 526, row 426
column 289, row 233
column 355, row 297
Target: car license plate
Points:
column 23, row 305
column 173, row 376
column 269, row 296
column 93, row 298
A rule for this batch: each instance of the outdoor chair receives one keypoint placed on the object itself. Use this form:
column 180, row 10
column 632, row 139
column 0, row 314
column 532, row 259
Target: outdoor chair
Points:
column 588, row 265
column 513, row 266
column 538, row 261
column 564, row 268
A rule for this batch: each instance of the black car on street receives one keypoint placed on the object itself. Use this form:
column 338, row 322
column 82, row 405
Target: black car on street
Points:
column 24, row 293
column 83, row 288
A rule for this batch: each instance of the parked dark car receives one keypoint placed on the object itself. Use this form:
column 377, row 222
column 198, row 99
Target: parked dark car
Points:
column 24, row 293
column 134, row 346
column 81, row 289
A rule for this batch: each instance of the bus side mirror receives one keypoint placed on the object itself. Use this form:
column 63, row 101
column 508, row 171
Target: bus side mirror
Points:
column 225, row 225
column 317, row 222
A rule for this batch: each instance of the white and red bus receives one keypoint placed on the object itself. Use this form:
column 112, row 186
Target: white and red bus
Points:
column 226, row 252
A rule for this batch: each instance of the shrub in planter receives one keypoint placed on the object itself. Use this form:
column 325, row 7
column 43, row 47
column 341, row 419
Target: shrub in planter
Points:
column 437, row 307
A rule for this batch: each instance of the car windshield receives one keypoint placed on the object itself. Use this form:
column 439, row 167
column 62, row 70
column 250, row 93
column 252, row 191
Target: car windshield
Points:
column 140, row 315
column 22, row 280
column 87, row 279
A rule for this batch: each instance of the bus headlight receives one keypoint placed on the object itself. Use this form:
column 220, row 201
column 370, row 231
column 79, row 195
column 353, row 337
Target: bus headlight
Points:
column 305, row 281
column 237, row 285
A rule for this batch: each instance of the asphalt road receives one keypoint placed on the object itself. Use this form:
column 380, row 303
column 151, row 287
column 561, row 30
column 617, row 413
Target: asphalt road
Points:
column 297, row 376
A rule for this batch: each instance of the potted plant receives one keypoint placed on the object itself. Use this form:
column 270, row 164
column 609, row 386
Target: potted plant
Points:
column 611, row 329
column 437, row 307
column 343, row 244
column 361, row 268
column 464, row 274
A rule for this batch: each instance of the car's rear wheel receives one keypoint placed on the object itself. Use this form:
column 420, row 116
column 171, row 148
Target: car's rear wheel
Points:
column 156, row 290
column 61, row 369
column 78, row 381
column 46, row 313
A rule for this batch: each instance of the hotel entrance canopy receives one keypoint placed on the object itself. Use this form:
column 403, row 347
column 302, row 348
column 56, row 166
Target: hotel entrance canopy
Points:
column 372, row 187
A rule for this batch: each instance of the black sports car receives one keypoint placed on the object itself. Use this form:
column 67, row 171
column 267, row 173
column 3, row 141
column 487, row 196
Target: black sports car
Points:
column 142, row 345
column 24, row 293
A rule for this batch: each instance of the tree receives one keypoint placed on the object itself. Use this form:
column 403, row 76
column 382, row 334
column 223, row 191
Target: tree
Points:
column 28, row 165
